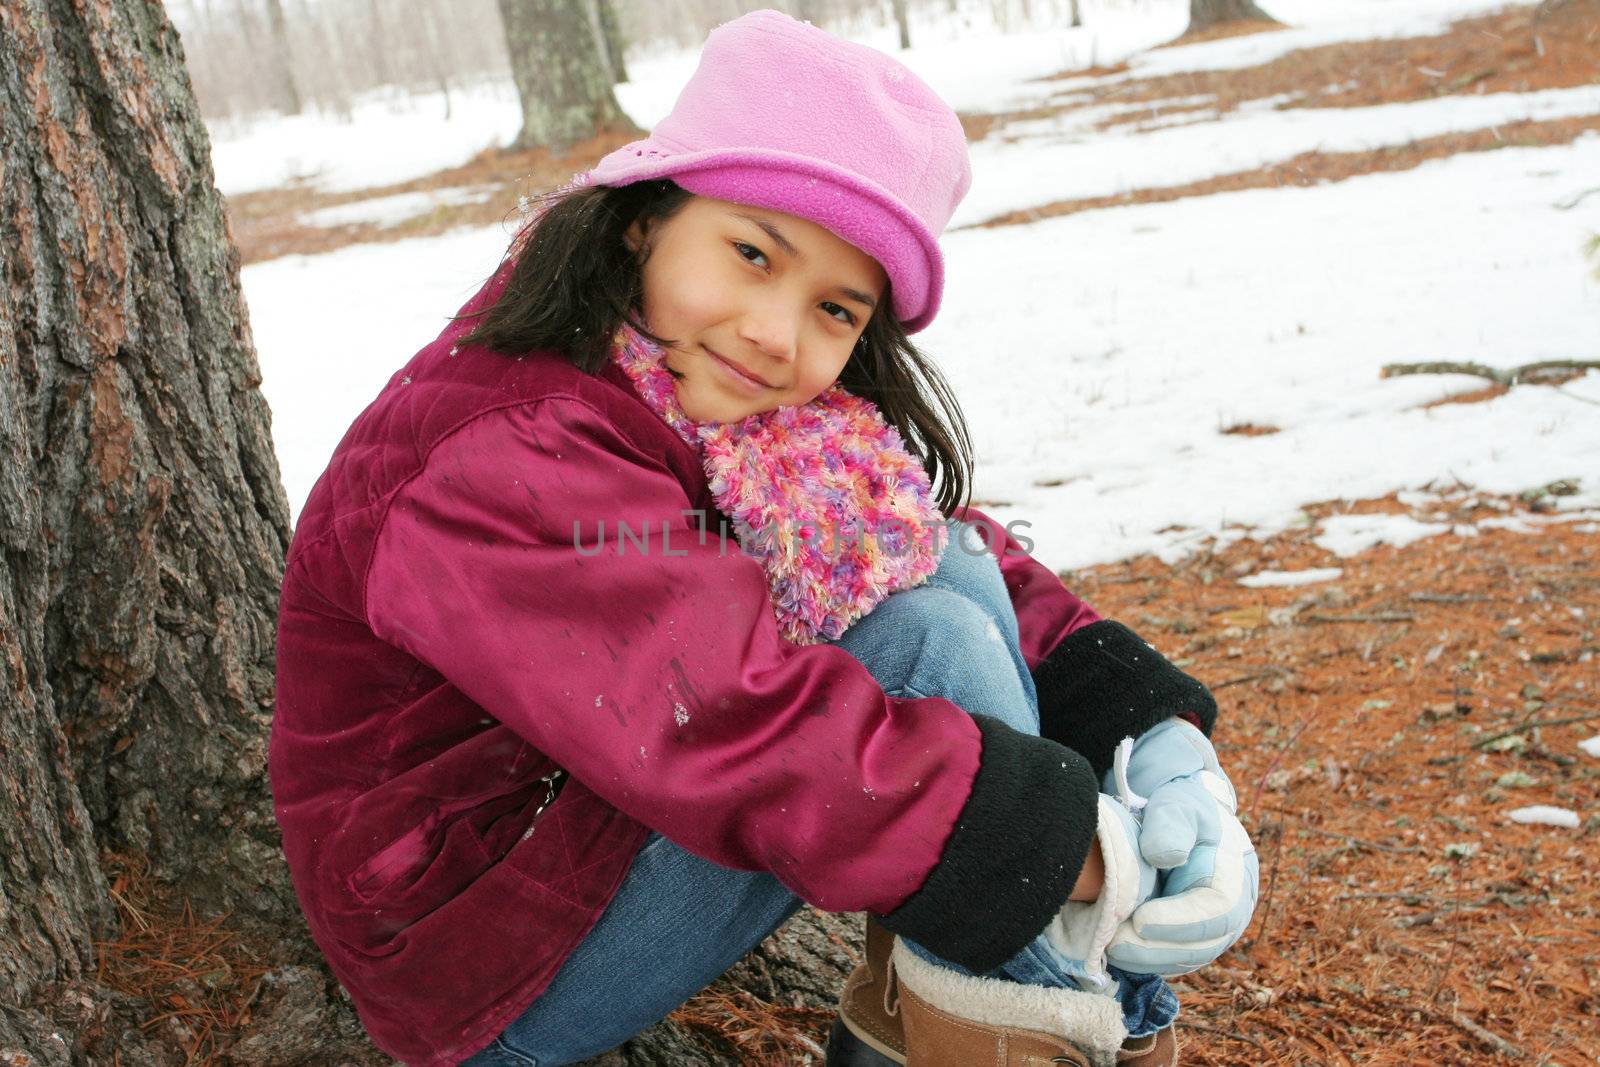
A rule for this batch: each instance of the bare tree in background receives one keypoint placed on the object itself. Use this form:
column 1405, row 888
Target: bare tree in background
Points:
column 615, row 44
column 378, row 45
column 560, row 73
column 903, row 22
column 1206, row 13
column 432, row 44
column 283, row 60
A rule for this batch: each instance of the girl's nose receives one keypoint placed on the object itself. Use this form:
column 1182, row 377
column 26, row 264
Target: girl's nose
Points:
column 772, row 329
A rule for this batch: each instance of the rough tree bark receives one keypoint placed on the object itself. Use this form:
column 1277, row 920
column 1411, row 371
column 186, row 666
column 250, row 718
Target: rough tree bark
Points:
column 560, row 73
column 1204, row 13
column 142, row 520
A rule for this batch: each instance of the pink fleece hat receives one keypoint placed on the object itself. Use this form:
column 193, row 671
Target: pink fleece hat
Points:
column 784, row 116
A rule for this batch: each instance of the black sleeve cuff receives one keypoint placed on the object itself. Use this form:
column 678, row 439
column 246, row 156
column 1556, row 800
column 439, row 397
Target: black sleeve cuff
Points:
column 1013, row 857
column 1103, row 683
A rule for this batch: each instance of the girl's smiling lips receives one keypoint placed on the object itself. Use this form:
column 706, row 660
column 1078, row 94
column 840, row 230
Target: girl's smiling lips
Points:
column 744, row 376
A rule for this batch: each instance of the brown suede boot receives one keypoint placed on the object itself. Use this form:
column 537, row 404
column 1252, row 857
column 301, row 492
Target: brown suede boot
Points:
column 870, row 1016
column 868, row 1005
column 1159, row 1049
column 957, row 1020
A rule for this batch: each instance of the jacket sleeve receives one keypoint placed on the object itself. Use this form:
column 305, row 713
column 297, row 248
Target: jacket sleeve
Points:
column 551, row 570
column 1097, row 680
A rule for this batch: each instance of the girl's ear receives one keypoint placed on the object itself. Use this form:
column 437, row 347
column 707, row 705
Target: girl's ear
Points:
column 633, row 236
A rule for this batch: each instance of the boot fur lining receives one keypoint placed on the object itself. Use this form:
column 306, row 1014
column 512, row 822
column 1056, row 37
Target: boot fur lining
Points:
column 1091, row 1021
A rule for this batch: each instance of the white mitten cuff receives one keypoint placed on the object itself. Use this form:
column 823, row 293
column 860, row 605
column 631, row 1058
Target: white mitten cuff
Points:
column 1081, row 930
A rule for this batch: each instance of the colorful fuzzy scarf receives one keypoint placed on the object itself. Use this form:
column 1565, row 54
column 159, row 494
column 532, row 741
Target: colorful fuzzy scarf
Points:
column 825, row 495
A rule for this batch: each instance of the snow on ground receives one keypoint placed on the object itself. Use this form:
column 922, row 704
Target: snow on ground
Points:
column 1350, row 535
column 1545, row 815
column 969, row 61
column 331, row 329
column 1287, row 579
column 1107, row 350
column 1068, row 161
column 388, row 139
column 1099, row 355
column 393, row 210
column 1311, row 24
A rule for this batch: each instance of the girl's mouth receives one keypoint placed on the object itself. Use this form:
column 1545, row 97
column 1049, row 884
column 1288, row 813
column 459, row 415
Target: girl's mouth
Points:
column 740, row 377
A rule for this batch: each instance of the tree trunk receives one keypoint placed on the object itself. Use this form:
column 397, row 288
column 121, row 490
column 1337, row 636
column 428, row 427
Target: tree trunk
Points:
column 283, row 60
column 1204, row 13
column 902, row 20
column 378, row 46
column 433, row 40
column 560, row 74
column 611, row 30
column 1077, row 14
column 141, row 516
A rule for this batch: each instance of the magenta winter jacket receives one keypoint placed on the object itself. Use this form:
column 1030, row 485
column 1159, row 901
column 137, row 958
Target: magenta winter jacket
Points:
column 444, row 648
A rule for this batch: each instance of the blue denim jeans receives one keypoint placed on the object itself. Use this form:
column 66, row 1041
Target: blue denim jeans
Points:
column 679, row 921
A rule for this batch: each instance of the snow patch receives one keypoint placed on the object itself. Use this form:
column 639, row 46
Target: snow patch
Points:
column 1268, row 579
column 1545, row 815
column 1348, row 535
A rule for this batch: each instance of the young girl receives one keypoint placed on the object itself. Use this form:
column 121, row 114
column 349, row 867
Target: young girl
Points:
column 626, row 619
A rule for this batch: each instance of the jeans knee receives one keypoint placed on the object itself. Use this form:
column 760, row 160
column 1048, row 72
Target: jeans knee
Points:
column 968, row 566
column 929, row 641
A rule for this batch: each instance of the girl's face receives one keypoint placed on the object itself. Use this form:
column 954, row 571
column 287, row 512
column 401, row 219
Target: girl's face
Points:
column 763, row 308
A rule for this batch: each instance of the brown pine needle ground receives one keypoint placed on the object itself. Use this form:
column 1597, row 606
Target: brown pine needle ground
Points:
column 1404, row 919
column 761, row 1033
column 198, row 978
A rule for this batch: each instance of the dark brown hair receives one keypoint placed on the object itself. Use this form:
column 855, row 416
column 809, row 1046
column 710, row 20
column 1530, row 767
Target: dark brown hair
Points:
column 576, row 281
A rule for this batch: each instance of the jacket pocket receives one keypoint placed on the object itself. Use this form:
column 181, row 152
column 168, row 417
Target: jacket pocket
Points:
column 425, row 861
column 450, row 849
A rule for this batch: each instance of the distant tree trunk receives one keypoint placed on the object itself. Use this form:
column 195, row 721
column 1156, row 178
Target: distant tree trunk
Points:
column 560, row 74
column 379, row 46
column 143, row 528
column 616, row 45
column 1077, row 15
column 283, row 60
column 331, row 90
column 903, row 22
column 591, row 10
column 432, row 40
column 1204, row 13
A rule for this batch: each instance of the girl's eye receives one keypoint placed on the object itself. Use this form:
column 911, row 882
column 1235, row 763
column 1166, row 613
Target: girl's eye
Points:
column 751, row 253
column 839, row 313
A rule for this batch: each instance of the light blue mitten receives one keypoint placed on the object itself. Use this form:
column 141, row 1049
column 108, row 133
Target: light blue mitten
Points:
column 1189, row 830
